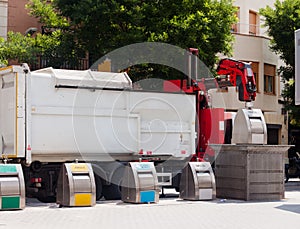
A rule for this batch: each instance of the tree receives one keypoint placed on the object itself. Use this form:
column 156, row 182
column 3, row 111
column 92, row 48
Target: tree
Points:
column 55, row 43
column 74, row 27
column 16, row 47
column 203, row 24
column 104, row 25
column 282, row 21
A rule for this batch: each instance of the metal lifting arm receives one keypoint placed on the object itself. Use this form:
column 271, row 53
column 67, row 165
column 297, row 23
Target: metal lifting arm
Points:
column 239, row 74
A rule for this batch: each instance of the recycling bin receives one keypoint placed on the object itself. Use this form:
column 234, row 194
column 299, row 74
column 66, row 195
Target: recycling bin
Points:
column 76, row 185
column 197, row 182
column 12, row 187
column 140, row 183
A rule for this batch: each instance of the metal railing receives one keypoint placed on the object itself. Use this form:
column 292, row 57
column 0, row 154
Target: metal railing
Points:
column 44, row 62
column 248, row 29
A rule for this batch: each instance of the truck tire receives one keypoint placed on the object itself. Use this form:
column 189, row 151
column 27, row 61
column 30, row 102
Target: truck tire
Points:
column 99, row 187
column 44, row 198
column 286, row 173
column 113, row 191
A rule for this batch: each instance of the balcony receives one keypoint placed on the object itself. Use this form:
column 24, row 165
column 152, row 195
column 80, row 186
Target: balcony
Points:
column 249, row 29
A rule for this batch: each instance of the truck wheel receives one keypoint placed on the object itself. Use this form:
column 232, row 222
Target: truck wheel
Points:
column 286, row 173
column 113, row 191
column 99, row 187
column 43, row 197
column 47, row 199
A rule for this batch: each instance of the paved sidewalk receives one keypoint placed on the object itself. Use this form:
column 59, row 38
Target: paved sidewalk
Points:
column 170, row 212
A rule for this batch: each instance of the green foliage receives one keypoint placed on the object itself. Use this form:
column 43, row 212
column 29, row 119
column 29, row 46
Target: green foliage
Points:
column 74, row 27
column 26, row 48
column 104, row 25
column 3, row 59
column 282, row 21
column 17, row 47
column 47, row 14
column 56, row 44
column 199, row 24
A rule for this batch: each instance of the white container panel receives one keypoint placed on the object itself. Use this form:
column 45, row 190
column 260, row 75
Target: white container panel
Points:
column 166, row 144
column 84, row 135
column 7, row 115
column 12, row 105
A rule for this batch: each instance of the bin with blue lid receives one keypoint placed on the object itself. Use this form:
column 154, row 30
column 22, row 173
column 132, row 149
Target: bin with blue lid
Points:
column 140, row 183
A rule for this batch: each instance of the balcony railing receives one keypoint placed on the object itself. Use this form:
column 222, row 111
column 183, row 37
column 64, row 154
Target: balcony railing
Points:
column 248, row 29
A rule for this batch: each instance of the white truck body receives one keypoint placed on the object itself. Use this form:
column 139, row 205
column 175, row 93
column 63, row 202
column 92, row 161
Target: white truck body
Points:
column 53, row 115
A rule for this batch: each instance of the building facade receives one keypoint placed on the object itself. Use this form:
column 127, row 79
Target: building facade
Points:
column 14, row 17
column 252, row 45
column 18, row 18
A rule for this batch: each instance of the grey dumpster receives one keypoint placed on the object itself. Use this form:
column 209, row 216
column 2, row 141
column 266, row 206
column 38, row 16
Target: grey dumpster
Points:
column 76, row 185
column 12, row 187
column 140, row 184
column 250, row 172
column 197, row 182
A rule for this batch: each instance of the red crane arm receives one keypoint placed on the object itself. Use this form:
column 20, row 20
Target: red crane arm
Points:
column 240, row 75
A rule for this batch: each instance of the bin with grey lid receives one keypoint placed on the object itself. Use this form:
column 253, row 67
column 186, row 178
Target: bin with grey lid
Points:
column 12, row 187
column 76, row 185
column 140, row 183
column 197, row 182
column 249, row 127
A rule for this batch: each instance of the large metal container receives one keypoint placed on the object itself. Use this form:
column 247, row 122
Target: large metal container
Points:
column 12, row 187
column 250, row 172
column 197, row 182
column 76, row 185
column 140, row 183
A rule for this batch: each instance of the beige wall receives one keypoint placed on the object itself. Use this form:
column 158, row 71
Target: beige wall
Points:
column 253, row 5
column 18, row 18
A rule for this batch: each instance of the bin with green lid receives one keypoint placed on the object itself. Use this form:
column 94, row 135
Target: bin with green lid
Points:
column 12, row 187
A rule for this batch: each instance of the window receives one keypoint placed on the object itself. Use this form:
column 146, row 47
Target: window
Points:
column 269, row 78
column 235, row 27
column 253, row 27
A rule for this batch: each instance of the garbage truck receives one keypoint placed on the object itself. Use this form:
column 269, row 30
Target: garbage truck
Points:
column 52, row 116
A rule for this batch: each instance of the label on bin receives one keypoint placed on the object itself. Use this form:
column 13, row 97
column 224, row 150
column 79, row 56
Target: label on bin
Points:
column 83, row 199
column 142, row 166
column 10, row 202
column 147, row 196
column 8, row 169
column 79, row 168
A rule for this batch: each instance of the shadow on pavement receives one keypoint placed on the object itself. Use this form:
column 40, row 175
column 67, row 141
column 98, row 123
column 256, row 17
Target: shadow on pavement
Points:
column 290, row 207
column 292, row 185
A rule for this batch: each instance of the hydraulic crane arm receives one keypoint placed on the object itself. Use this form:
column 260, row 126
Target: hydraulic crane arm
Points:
column 238, row 74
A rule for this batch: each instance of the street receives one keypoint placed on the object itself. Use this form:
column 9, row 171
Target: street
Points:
column 170, row 212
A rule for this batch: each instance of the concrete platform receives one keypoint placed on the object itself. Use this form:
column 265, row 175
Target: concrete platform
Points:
column 170, row 212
